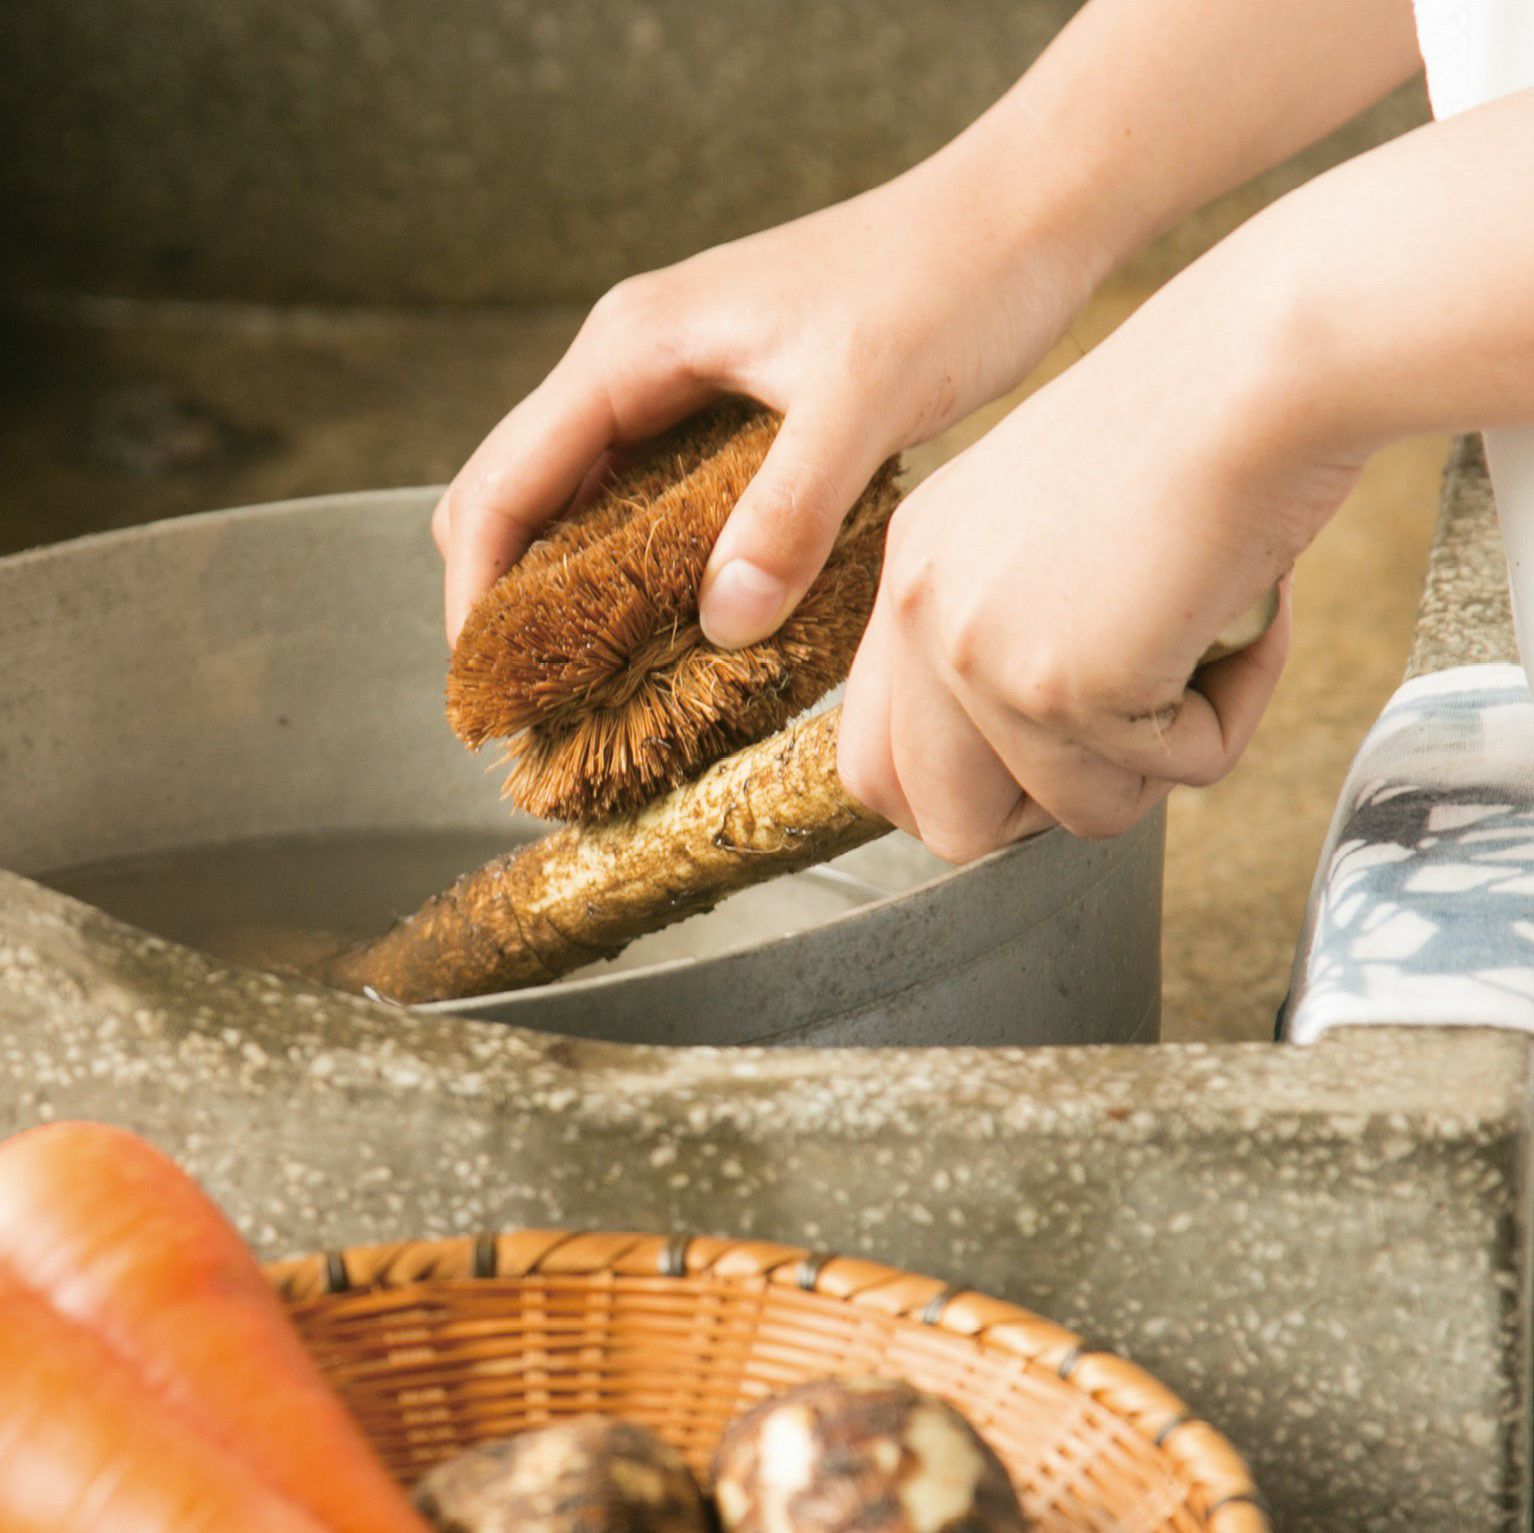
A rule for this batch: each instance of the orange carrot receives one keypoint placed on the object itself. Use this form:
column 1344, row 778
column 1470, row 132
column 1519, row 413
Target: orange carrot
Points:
column 80, row 1453
column 119, row 1240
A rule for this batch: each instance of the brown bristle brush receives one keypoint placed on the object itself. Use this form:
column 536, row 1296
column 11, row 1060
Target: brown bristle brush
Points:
column 587, row 659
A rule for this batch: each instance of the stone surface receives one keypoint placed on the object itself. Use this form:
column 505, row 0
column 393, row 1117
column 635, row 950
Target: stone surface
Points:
column 1325, row 1250
column 487, row 151
column 1465, row 616
column 306, row 401
column 1241, row 856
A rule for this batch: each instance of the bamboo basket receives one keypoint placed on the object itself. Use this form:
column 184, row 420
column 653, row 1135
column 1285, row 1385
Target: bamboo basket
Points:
column 439, row 1344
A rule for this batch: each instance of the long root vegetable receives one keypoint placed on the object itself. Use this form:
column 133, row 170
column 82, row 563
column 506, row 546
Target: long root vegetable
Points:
column 79, row 1453
column 119, row 1242
column 583, row 893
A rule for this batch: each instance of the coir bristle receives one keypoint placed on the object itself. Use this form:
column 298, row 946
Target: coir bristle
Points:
column 587, row 657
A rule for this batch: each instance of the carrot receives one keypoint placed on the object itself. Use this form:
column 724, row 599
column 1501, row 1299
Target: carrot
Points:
column 119, row 1240
column 80, row 1453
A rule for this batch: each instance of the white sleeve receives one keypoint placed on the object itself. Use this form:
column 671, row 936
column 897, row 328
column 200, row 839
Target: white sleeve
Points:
column 1476, row 51
column 1443, row 35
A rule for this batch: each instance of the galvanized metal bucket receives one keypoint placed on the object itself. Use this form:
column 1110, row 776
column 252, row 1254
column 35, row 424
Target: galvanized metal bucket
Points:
column 278, row 670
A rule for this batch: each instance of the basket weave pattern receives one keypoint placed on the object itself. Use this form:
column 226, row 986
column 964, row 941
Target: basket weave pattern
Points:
column 436, row 1345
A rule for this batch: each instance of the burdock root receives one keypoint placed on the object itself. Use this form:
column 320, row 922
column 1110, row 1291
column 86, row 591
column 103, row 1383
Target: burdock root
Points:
column 585, row 892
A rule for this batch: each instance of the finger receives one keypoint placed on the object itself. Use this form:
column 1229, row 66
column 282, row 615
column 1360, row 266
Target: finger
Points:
column 518, row 478
column 1031, row 818
column 1239, row 688
column 960, row 791
column 1202, row 734
column 441, row 535
column 526, row 471
column 1191, row 735
column 780, row 532
column 863, row 757
column 1071, row 784
column 598, row 476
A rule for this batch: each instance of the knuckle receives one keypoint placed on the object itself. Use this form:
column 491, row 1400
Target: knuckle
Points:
column 624, row 307
column 1083, row 699
column 796, row 502
column 789, row 524
column 908, row 587
column 965, row 646
column 1049, row 693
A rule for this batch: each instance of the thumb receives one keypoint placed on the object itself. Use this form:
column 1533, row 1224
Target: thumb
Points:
column 782, row 528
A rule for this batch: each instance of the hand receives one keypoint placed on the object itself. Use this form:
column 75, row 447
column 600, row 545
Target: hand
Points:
column 876, row 323
column 1047, row 595
column 871, row 326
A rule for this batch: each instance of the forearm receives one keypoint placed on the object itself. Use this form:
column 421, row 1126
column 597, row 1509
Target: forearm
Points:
column 1396, row 294
column 1142, row 110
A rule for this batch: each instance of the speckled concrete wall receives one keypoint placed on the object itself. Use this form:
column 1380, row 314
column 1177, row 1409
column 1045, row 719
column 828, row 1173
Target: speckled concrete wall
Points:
column 1466, row 613
column 479, row 151
column 1325, row 1251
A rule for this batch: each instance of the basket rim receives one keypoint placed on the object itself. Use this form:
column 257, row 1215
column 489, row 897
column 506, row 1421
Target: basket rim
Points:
column 1198, row 1452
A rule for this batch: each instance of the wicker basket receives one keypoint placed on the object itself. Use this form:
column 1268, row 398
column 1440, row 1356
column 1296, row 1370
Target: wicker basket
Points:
column 439, row 1344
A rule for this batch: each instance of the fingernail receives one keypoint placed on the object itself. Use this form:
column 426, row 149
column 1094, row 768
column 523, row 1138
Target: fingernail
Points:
column 743, row 603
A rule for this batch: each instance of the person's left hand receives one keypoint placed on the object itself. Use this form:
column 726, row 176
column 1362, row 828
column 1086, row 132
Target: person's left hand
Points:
column 1048, row 594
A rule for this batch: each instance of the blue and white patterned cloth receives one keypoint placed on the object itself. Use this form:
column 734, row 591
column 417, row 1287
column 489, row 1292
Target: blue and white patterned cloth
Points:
column 1423, row 906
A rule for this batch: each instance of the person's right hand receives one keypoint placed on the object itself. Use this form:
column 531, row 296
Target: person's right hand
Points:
column 871, row 326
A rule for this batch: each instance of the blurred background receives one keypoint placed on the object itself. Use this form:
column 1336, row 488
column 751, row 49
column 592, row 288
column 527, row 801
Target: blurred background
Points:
column 268, row 248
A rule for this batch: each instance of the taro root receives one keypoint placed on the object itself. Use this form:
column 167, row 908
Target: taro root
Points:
column 860, row 1456
column 590, row 1475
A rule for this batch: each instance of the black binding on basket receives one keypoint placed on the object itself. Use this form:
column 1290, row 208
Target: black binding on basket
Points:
column 673, row 1259
column 807, row 1273
column 486, row 1256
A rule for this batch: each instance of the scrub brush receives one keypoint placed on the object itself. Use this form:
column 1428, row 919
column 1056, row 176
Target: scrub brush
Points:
column 587, row 659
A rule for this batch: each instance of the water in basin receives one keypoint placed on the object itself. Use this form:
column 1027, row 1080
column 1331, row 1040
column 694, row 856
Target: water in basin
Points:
column 284, row 902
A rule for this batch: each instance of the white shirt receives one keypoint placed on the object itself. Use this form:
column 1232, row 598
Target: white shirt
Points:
column 1475, row 51
column 1443, row 34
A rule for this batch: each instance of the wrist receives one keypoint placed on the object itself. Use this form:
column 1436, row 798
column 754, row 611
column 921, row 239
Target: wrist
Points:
column 1283, row 371
column 1320, row 361
column 1078, row 182
column 1231, row 369
column 1037, row 214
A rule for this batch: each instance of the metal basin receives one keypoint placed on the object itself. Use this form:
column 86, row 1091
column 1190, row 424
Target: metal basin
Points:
column 277, row 671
